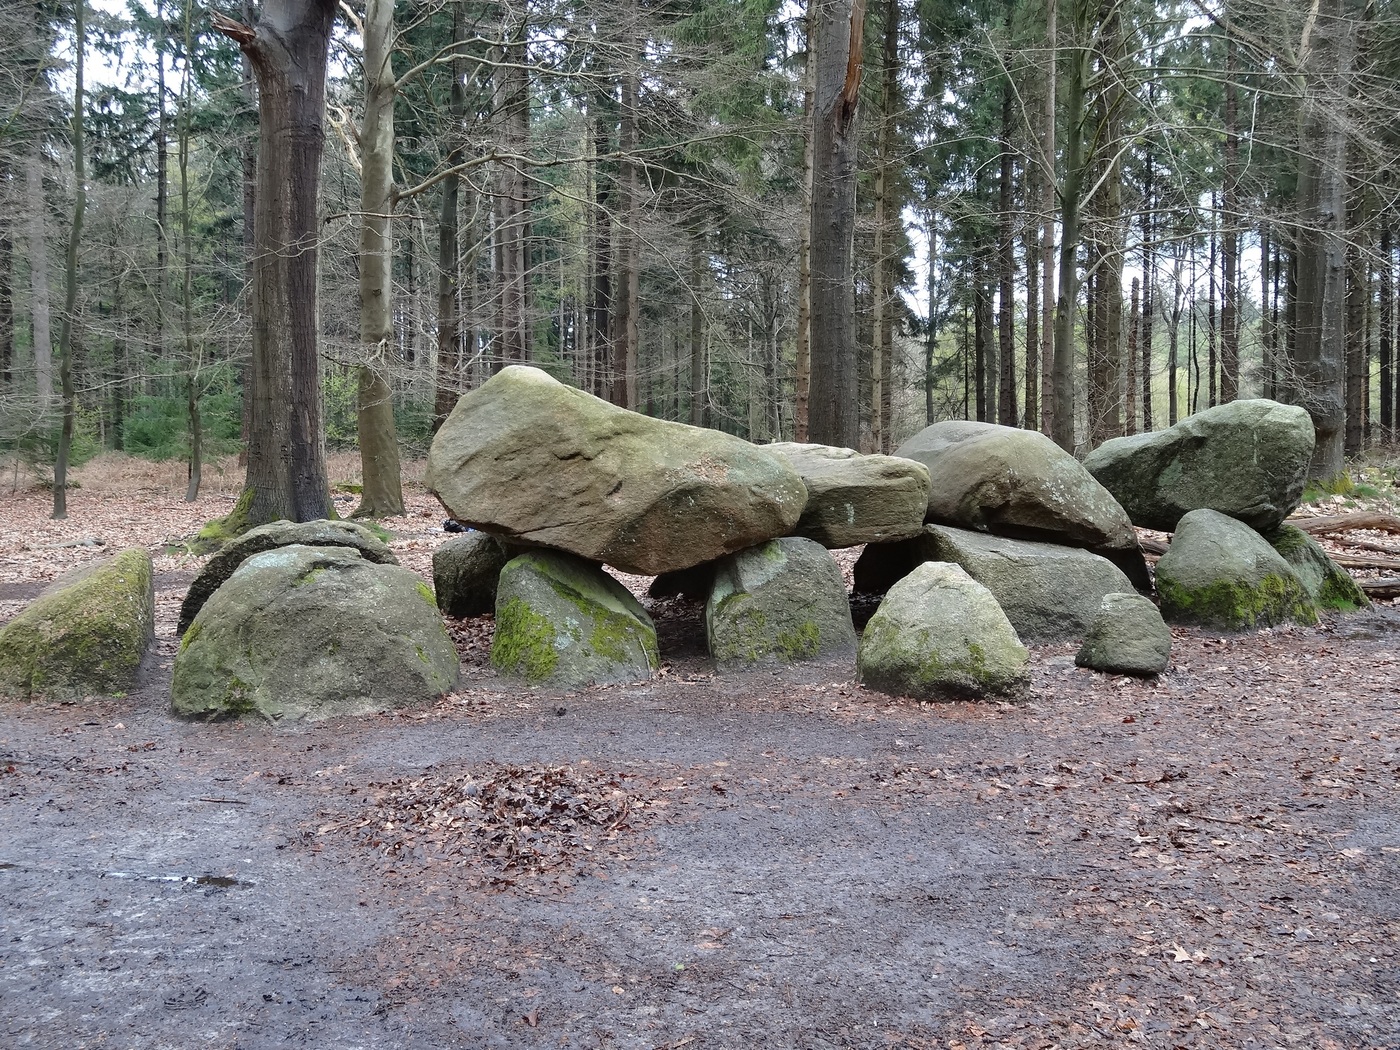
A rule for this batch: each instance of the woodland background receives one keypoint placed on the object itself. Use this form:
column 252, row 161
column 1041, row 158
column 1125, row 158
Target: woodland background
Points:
column 1092, row 218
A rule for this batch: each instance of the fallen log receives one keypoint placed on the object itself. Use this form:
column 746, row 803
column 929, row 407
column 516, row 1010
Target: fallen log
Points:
column 1353, row 561
column 1381, row 589
column 1361, row 519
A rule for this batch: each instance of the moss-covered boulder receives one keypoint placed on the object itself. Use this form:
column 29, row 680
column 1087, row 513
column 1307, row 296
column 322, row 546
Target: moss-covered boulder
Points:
column 780, row 602
column 321, row 533
column 1248, row 459
column 1327, row 583
column 562, row 623
column 84, row 635
column 1220, row 573
column 1019, row 483
column 526, row 457
column 306, row 633
column 465, row 571
column 940, row 635
column 1128, row 636
column 854, row 499
column 1048, row 591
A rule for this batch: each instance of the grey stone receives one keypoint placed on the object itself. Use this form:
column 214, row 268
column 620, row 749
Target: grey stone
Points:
column 1327, row 583
column 562, row 622
column 526, row 457
column 320, row 533
column 307, row 633
column 1248, row 459
column 465, row 571
column 780, row 602
column 85, row 634
column 940, row 635
column 1220, row 573
column 853, row 498
column 1128, row 636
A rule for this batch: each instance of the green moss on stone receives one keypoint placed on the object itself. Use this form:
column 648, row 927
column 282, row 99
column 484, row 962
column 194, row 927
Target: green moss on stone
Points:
column 426, row 593
column 1340, row 593
column 219, row 531
column 190, row 636
column 799, row 642
column 1234, row 606
column 524, row 642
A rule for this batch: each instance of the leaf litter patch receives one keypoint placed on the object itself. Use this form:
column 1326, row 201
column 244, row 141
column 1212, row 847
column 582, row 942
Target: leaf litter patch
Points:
column 509, row 822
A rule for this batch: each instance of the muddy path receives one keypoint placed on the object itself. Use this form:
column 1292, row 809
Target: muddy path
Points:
column 782, row 860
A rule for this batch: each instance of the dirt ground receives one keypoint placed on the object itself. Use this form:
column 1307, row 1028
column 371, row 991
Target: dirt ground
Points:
column 752, row 860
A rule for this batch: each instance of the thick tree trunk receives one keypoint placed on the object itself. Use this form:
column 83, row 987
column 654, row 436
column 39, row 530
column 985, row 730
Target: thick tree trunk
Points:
column 1230, row 238
column 286, row 454
column 512, row 114
column 193, row 356
column 834, row 412
column 1006, row 259
column 1358, row 293
column 699, row 378
column 600, row 293
column 1069, row 249
column 70, row 301
column 7, row 295
column 886, row 212
column 448, row 374
column 1149, row 286
column 1031, row 419
column 802, row 365
column 381, row 495
column 1385, row 347
column 1047, row 230
column 39, row 309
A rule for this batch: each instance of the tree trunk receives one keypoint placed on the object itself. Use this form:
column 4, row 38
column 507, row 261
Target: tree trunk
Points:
column 1006, row 257
column 1031, row 420
column 1230, row 238
column 1210, row 301
column 286, row 454
column 193, row 359
column 1358, row 292
column 39, row 309
column 834, row 412
column 1387, row 328
column 7, row 295
column 802, row 365
column 70, row 300
column 1130, row 384
column 512, row 114
column 448, row 375
column 1063, row 432
column 1149, row 284
column 381, row 495
column 600, row 294
column 1047, row 230
column 699, row 378
column 1268, row 288
column 886, row 211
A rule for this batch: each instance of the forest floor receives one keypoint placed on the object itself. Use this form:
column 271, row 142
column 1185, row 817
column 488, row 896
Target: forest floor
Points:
column 767, row 859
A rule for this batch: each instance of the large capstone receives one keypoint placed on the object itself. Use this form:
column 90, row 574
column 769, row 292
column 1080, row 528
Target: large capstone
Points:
column 320, row 533
column 854, row 499
column 562, row 623
column 780, row 602
column 525, row 456
column 1021, row 484
column 84, row 635
column 1220, row 573
column 1247, row 459
column 465, row 571
column 307, row 633
column 1128, row 636
column 1327, row 583
column 940, row 635
column 1049, row 592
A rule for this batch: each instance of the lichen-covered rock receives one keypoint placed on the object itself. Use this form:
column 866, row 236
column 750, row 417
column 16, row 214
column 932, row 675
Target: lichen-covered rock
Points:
column 1021, row 484
column 854, row 499
column 307, row 633
column 84, row 635
column 1128, row 636
column 562, row 623
column 780, row 602
column 321, row 533
column 940, row 635
column 465, row 571
column 1220, row 573
column 526, row 457
column 1048, row 591
column 1248, row 459
column 1327, row 583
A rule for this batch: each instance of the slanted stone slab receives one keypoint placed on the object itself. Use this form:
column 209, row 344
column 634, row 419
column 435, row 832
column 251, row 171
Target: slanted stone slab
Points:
column 854, row 499
column 526, row 457
column 1247, row 459
column 304, row 633
column 1220, row 573
column 562, row 623
column 780, row 602
column 85, row 635
column 1128, row 636
column 321, row 533
column 1019, row 483
column 465, row 571
column 940, row 635
column 1327, row 583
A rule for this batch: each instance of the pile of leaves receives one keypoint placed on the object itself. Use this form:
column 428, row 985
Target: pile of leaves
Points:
column 510, row 820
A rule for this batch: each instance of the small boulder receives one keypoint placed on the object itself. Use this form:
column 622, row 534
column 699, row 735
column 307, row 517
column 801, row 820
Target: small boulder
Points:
column 526, row 457
column 320, row 533
column 780, row 602
column 1220, row 573
column 940, row 635
column 465, row 571
column 1021, row 484
column 305, row 633
column 1049, row 592
column 84, row 635
column 854, row 499
column 1128, row 636
column 1327, row 583
column 1248, row 459
column 562, row 623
